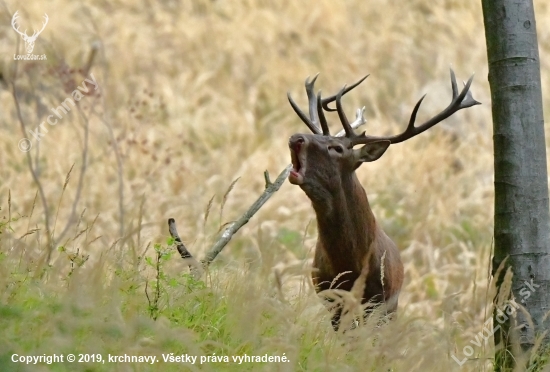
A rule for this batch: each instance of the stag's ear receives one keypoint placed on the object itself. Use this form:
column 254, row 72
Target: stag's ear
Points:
column 371, row 151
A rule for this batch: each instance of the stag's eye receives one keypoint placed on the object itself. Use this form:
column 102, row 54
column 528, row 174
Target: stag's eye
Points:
column 339, row 149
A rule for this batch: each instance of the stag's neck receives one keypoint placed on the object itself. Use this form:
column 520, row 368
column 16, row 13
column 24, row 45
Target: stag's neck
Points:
column 346, row 224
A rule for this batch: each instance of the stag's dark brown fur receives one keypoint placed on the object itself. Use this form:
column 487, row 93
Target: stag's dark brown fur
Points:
column 324, row 167
column 349, row 236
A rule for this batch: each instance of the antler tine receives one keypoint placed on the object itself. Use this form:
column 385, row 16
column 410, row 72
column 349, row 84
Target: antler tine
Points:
column 316, row 121
column 342, row 114
column 453, row 84
column 313, row 122
column 321, row 115
column 461, row 100
column 359, row 120
column 330, row 99
column 312, row 99
column 14, row 24
column 303, row 116
column 36, row 33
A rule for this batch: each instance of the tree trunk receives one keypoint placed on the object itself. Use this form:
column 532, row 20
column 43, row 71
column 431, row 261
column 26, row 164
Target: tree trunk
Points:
column 522, row 221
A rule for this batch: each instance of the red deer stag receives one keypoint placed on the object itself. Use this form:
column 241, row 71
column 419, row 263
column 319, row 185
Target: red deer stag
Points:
column 349, row 236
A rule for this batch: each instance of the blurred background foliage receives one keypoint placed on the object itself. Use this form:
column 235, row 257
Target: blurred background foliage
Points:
column 192, row 95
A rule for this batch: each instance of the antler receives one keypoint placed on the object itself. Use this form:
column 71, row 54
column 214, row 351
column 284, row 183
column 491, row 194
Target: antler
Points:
column 15, row 26
column 24, row 34
column 461, row 100
column 36, row 33
column 317, row 122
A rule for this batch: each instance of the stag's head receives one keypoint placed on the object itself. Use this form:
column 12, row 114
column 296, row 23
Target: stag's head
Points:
column 29, row 40
column 322, row 162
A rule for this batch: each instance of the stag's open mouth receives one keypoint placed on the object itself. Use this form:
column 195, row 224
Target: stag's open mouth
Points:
column 296, row 176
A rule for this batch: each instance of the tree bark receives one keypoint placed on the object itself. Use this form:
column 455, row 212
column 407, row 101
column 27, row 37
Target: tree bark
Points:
column 522, row 221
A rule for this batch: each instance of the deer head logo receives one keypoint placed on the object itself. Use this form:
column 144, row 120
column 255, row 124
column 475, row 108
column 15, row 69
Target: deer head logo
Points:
column 29, row 40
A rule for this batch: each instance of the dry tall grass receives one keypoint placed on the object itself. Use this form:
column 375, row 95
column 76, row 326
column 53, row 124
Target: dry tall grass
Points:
column 192, row 96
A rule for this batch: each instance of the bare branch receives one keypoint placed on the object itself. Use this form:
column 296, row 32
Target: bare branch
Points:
column 32, row 168
column 83, row 168
column 194, row 266
column 243, row 220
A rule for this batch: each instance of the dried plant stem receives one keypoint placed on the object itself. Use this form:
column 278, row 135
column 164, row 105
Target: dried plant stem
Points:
column 9, row 216
column 67, row 178
column 225, row 196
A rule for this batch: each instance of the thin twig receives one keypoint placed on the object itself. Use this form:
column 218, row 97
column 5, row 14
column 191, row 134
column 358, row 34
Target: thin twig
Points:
column 140, row 222
column 9, row 217
column 28, row 227
column 147, row 295
column 67, row 178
